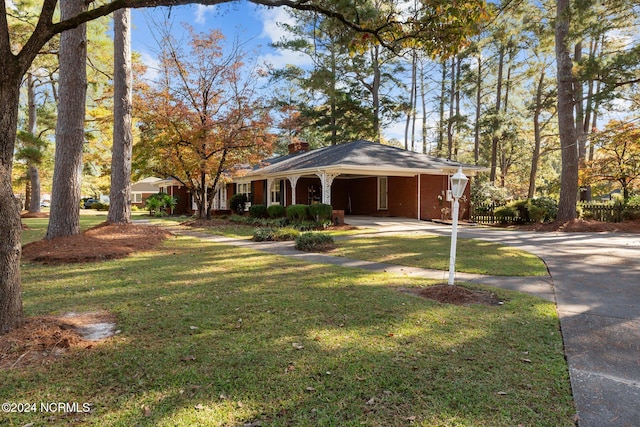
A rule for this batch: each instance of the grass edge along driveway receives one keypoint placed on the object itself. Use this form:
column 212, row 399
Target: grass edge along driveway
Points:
column 432, row 252
column 221, row 336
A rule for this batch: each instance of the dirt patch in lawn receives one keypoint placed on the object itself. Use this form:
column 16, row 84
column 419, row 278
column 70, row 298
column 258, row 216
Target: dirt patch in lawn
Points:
column 44, row 339
column 96, row 244
column 456, row 295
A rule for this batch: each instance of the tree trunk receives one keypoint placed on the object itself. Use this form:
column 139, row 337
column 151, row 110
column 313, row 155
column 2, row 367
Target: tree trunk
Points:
column 450, row 122
column 566, row 120
column 34, row 174
column 11, row 315
column 64, row 217
column 375, row 92
column 423, row 98
column 412, row 102
column 495, row 138
column 476, row 131
column 120, row 194
column 535, row 158
column 443, row 88
column 578, row 91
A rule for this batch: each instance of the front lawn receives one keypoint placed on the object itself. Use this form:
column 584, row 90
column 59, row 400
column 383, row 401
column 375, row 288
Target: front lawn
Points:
column 431, row 251
column 213, row 335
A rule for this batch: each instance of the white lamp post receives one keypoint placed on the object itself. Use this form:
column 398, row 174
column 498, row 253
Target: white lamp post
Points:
column 458, row 183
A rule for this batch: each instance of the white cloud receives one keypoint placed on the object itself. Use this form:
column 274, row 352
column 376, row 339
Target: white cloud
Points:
column 202, row 11
column 153, row 66
column 273, row 32
column 270, row 19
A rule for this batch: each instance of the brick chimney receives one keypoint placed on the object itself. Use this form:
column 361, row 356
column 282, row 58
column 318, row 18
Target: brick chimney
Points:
column 298, row 147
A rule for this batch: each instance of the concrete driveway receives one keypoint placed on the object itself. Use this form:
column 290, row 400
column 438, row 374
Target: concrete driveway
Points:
column 596, row 279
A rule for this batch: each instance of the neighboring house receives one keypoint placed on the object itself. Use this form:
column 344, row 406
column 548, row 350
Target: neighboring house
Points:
column 360, row 178
column 142, row 189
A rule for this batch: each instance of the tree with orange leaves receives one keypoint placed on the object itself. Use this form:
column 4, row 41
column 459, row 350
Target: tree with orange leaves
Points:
column 202, row 117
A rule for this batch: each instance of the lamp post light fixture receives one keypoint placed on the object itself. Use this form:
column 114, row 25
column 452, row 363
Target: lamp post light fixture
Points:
column 458, row 184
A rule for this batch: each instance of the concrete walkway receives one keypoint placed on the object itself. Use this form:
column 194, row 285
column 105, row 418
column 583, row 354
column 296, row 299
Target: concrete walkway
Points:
column 595, row 282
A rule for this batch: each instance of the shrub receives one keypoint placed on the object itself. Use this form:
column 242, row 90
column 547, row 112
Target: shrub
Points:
column 631, row 213
column 314, row 242
column 548, row 205
column 320, row 211
column 237, row 203
column 275, row 211
column 258, row 211
column 274, row 234
column 505, row 213
column 297, row 213
column 522, row 210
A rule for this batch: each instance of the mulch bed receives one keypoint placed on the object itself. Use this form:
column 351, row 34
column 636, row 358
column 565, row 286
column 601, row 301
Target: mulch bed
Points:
column 455, row 295
column 96, row 244
column 582, row 225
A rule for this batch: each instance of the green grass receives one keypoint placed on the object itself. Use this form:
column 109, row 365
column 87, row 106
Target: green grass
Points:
column 371, row 355
column 37, row 227
column 430, row 251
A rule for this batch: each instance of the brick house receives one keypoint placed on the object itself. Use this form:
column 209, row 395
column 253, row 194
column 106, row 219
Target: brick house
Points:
column 359, row 178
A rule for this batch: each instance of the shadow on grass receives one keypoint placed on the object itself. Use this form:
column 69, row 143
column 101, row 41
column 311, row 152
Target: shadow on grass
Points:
column 213, row 335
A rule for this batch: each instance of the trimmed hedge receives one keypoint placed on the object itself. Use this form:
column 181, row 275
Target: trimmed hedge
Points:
column 297, row 212
column 320, row 211
column 275, row 211
column 258, row 211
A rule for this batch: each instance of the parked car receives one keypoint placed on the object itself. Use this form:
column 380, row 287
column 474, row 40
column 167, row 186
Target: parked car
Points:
column 87, row 203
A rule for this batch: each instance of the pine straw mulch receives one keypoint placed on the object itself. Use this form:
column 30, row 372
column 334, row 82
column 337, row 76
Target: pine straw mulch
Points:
column 582, row 226
column 455, row 295
column 44, row 339
column 100, row 243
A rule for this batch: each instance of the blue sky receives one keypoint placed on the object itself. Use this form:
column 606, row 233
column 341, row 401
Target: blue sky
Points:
column 253, row 24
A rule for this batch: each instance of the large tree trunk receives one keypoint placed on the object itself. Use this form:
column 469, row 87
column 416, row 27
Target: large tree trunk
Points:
column 34, row 174
column 11, row 315
column 375, row 91
column 535, row 158
column 64, row 217
column 120, row 195
column 566, row 120
column 476, row 130
column 412, row 102
column 495, row 139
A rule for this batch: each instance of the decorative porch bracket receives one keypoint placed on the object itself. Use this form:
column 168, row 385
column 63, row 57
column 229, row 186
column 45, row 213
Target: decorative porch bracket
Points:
column 294, row 181
column 326, row 180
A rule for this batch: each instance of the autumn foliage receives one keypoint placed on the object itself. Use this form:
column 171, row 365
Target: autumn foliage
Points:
column 201, row 118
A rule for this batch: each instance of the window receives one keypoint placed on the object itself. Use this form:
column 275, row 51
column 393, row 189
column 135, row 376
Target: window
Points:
column 245, row 188
column 136, row 197
column 383, row 203
column 276, row 194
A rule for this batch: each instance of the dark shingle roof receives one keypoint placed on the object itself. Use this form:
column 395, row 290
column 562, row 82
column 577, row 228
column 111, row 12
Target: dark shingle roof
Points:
column 357, row 155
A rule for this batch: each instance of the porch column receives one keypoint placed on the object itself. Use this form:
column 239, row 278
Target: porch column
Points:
column 293, row 180
column 268, row 195
column 326, row 180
